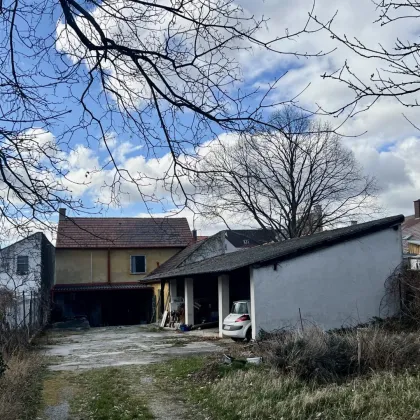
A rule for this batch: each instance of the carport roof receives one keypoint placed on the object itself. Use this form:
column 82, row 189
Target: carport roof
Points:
column 287, row 249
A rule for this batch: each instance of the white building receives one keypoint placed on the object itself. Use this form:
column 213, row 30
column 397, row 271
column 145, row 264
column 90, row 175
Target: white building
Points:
column 334, row 278
column 27, row 265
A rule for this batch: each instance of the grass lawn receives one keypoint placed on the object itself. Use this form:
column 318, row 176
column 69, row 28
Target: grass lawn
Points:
column 234, row 393
column 99, row 394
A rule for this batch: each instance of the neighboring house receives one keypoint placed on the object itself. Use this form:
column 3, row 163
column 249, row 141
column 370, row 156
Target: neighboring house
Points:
column 333, row 278
column 100, row 261
column 411, row 238
column 27, row 274
column 411, row 231
column 28, row 265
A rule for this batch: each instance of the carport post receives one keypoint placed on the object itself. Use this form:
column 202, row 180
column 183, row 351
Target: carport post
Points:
column 223, row 293
column 189, row 301
column 252, row 295
column 172, row 290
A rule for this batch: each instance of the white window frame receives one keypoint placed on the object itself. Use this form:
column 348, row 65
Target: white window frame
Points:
column 131, row 264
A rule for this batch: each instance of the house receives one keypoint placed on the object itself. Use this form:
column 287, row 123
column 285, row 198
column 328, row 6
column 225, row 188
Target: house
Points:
column 100, row 261
column 411, row 231
column 332, row 278
column 27, row 270
column 411, row 238
column 28, row 265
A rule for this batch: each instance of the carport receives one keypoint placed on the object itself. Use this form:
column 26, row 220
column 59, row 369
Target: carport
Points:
column 329, row 278
column 103, row 304
column 216, row 290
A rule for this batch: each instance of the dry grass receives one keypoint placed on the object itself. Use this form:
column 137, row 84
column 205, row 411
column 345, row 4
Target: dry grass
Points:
column 254, row 395
column 20, row 386
column 327, row 357
column 230, row 393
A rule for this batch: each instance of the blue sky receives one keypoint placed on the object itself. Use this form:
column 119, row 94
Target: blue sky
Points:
column 388, row 150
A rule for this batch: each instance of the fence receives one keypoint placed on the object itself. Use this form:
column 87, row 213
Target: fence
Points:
column 23, row 315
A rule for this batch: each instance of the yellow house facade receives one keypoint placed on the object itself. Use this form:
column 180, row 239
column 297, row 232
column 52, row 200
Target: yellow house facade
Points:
column 100, row 263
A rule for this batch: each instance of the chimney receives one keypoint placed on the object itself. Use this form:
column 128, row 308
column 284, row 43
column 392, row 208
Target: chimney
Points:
column 353, row 222
column 417, row 209
column 61, row 214
column 194, row 233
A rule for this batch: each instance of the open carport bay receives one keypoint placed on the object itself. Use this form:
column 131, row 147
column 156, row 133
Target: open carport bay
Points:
column 104, row 305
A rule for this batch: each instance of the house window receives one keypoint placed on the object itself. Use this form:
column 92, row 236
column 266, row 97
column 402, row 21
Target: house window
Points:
column 22, row 264
column 138, row 264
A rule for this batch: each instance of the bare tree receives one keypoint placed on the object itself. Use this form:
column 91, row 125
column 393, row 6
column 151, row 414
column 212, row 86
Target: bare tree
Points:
column 165, row 72
column 397, row 67
column 295, row 179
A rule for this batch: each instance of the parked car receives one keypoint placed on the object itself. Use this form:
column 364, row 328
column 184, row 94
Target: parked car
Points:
column 237, row 325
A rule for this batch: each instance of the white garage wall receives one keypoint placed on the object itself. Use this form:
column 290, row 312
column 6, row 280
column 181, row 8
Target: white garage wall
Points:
column 336, row 286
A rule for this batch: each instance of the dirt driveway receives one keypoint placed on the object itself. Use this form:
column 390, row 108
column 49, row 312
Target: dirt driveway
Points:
column 89, row 369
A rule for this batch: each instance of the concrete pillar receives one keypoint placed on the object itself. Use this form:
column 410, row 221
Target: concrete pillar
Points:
column 252, row 295
column 172, row 290
column 223, row 293
column 189, row 301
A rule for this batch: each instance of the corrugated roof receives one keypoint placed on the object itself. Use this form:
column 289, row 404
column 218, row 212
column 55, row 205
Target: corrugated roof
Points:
column 279, row 251
column 123, row 232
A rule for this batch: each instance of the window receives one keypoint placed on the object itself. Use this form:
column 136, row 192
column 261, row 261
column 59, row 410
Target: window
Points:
column 138, row 264
column 22, row 264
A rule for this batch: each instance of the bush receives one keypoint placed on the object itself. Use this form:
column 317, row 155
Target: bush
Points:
column 326, row 357
column 2, row 365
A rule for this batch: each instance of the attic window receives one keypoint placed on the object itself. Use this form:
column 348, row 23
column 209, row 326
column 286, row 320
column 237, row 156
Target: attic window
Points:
column 138, row 264
column 246, row 241
column 22, row 264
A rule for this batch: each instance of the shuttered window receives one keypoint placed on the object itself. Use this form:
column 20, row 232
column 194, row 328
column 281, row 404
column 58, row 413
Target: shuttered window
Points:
column 138, row 264
column 22, row 264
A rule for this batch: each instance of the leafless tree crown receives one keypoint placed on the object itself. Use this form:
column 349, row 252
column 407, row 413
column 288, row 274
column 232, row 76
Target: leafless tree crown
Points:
column 295, row 179
column 166, row 73
column 397, row 66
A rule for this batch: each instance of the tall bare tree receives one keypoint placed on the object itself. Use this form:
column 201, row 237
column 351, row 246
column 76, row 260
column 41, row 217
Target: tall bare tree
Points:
column 166, row 73
column 295, row 179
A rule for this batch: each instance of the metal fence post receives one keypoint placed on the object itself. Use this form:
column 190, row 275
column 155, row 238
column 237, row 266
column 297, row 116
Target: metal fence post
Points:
column 30, row 312
column 24, row 309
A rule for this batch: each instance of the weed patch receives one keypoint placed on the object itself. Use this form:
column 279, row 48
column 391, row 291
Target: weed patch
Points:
column 20, row 386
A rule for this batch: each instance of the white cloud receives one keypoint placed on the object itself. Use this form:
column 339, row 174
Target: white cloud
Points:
column 390, row 148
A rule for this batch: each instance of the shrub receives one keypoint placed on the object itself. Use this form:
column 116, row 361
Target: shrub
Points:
column 326, row 357
column 2, row 365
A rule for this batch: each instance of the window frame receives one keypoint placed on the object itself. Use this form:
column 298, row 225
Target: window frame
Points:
column 22, row 272
column 131, row 264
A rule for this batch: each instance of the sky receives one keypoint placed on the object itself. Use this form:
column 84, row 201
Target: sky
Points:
column 386, row 145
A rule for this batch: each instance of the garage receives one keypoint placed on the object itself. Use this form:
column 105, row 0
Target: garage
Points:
column 103, row 305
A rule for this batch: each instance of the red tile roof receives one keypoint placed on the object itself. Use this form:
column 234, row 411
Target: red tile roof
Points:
column 123, row 232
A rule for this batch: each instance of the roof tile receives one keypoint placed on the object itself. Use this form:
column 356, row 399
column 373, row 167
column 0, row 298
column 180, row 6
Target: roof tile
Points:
column 123, row 232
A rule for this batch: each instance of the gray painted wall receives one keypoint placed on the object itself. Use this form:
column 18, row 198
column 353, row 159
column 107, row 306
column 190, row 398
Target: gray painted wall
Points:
column 336, row 286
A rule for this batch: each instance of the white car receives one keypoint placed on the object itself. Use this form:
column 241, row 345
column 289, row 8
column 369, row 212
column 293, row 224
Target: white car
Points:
column 237, row 325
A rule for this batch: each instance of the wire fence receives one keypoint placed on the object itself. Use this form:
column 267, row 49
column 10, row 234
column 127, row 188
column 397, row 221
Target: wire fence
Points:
column 20, row 318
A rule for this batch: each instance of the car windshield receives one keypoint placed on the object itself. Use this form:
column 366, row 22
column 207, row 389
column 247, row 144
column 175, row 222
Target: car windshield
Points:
column 239, row 308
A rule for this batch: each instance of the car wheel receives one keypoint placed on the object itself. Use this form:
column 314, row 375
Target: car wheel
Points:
column 237, row 339
column 248, row 335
